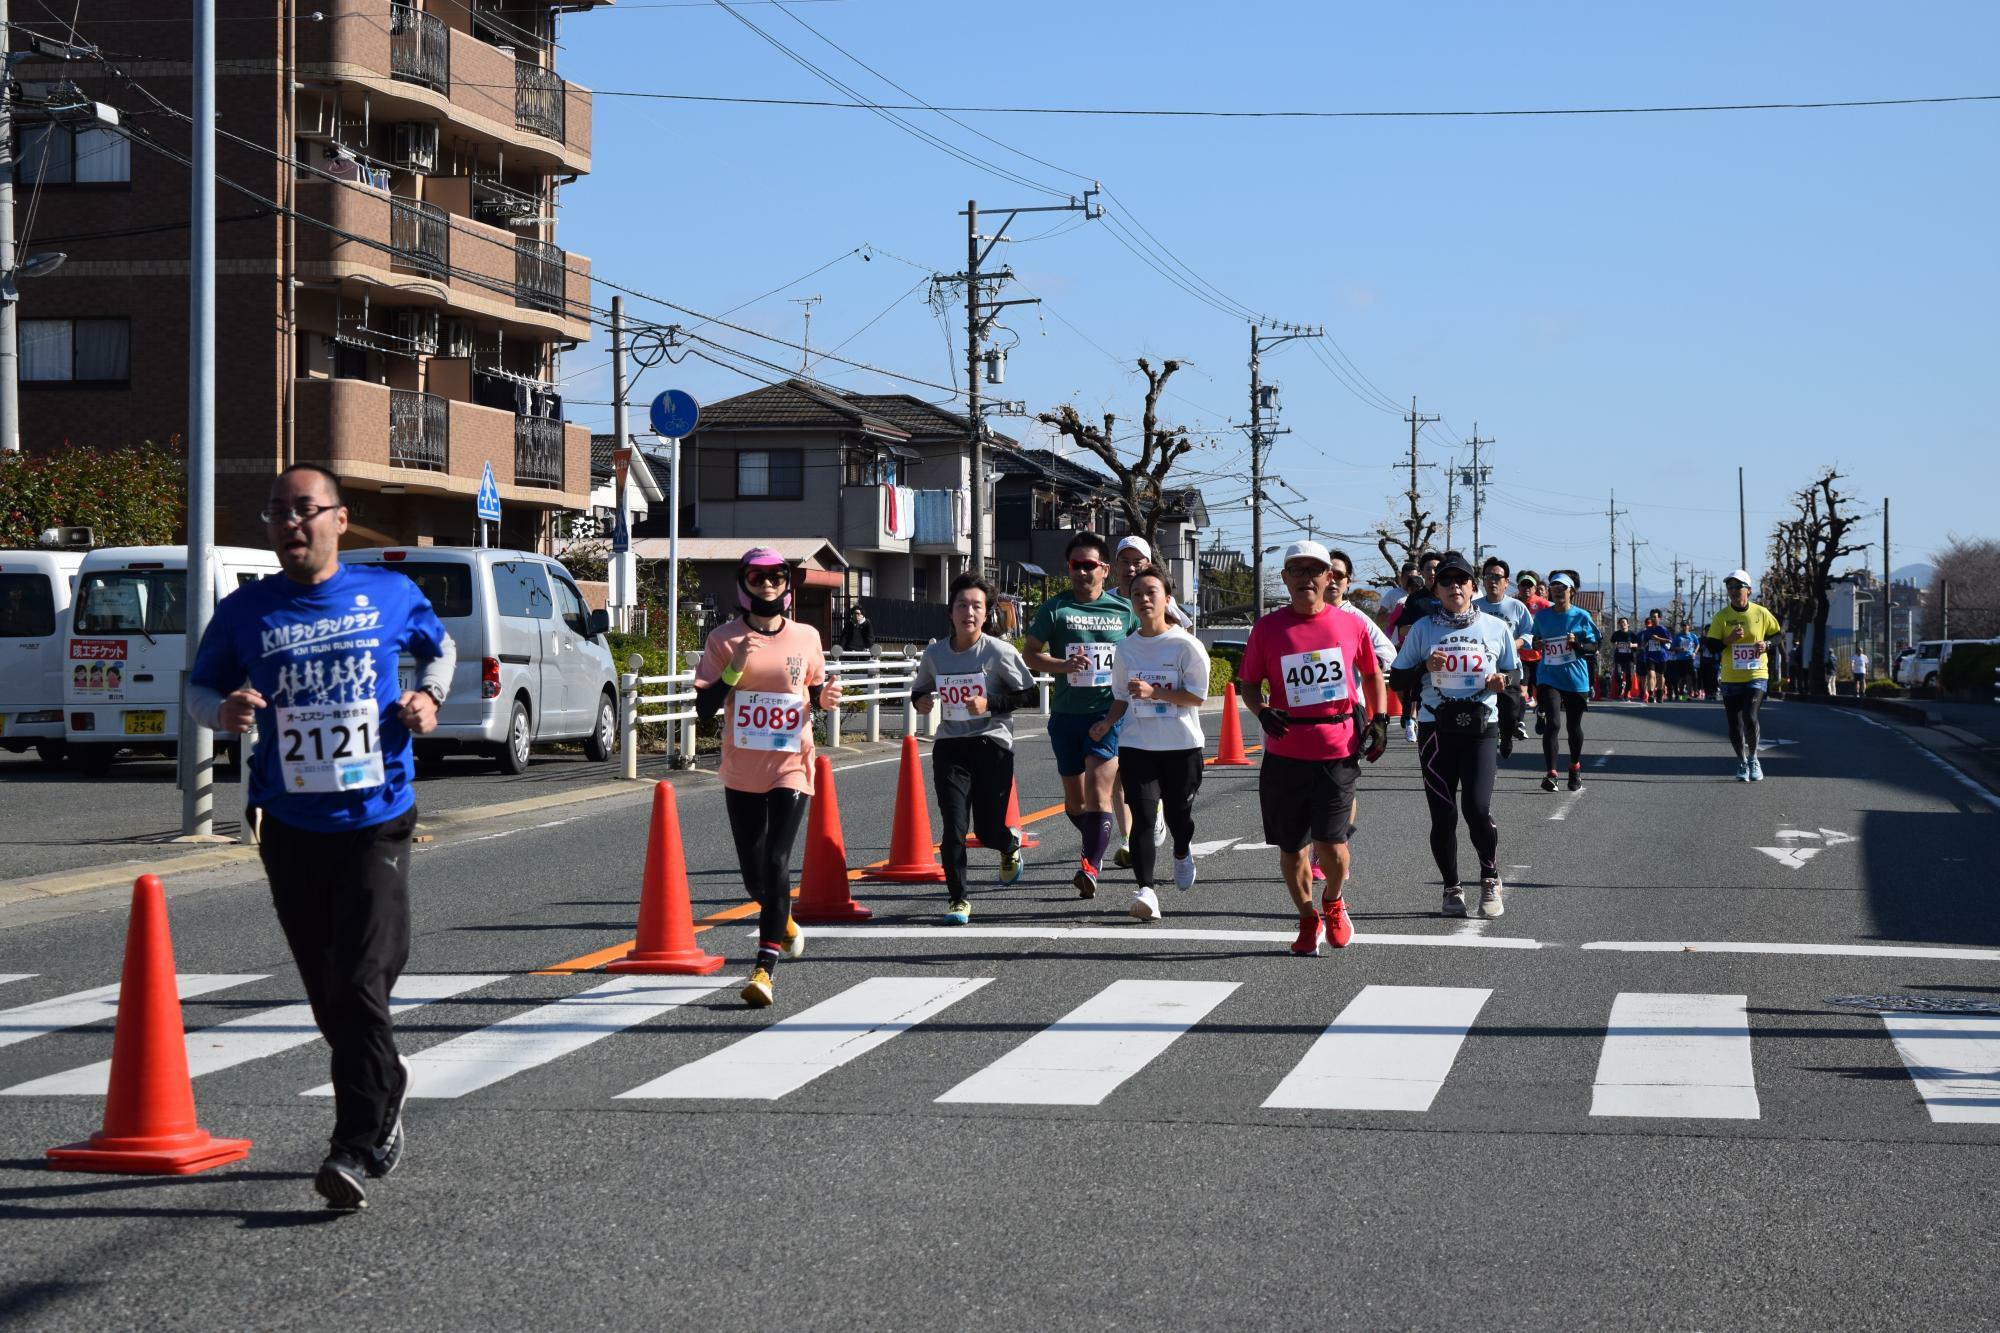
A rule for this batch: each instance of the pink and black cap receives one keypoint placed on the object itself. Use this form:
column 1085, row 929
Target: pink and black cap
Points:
column 766, row 557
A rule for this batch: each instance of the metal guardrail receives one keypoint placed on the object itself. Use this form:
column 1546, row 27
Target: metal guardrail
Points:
column 539, row 274
column 420, row 236
column 538, row 452
column 419, row 430
column 540, row 101
column 864, row 679
column 419, row 47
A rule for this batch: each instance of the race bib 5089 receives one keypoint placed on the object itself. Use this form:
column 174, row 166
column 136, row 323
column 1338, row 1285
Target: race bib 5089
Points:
column 767, row 721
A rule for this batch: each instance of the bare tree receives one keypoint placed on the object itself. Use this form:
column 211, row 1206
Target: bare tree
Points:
column 1804, row 550
column 1400, row 544
column 1141, row 480
column 1967, row 582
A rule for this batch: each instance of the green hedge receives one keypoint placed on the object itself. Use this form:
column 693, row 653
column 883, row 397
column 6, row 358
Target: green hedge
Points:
column 1221, row 672
column 1887, row 689
column 1970, row 669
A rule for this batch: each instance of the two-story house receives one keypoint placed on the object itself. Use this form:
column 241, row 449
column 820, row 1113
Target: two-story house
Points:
column 885, row 477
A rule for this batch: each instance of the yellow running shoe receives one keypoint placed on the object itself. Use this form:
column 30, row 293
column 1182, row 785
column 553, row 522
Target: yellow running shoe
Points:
column 795, row 939
column 756, row 992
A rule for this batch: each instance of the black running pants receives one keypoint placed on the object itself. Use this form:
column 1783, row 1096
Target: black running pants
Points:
column 765, row 824
column 1742, row 703
column 343, row 901
column 1549, row 699
column 1458, row 775
column 1156, row 778
column 974, row 776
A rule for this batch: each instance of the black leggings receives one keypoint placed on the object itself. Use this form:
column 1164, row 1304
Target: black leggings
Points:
column 1573, row 703
column 1458, row 772
column 765, row 824
column 974, row 776
column 1154, row 778
column 1742, row 704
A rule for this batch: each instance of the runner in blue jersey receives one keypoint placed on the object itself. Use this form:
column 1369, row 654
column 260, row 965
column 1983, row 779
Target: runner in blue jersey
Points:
column 310, row 655
column 1563, row 633
column 1680, row 663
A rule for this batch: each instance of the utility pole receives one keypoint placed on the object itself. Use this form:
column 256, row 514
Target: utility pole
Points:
column 1612, row 511
column 1261, row 440
column 10, row 357
column 1477, row 478
column 806, row 344
column 622, row 564
column 197, row 743
column 1675, row 605
column 1635, row 544
column 1417, row 422
column 1451, row 509
column 1888, row 597
column 1742, row 528
column 979, row 316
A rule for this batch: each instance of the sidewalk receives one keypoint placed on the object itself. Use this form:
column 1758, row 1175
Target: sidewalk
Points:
column 1965, row 735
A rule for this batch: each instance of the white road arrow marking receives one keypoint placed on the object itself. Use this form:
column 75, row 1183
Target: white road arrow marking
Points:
column 1208, row 848
column 1796, row 833
column 1763, row 744
column 1790, row 856
column 1255, row 847
column 1834, row 839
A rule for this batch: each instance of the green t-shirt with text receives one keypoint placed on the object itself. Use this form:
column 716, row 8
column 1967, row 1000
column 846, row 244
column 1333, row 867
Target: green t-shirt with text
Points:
column 1061, row 623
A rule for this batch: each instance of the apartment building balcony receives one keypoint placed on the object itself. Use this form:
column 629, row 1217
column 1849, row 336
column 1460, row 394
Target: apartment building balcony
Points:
column 534, row 289
column 943, row 523
column 373, row 435
column 427, row 64
column 865, row 514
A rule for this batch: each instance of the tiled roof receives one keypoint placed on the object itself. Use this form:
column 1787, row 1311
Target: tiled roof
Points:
column 1046, row 463
column 795, row 403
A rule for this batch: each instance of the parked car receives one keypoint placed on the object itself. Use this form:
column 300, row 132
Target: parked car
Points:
column 36, row 590
column 1920, row 669
column 533, row 665
column 126, row 648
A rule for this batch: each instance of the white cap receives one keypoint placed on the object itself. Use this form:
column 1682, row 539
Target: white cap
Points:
column 1136, row 544
column 1741, row 576
column 1562, row 578
column 1308, row 551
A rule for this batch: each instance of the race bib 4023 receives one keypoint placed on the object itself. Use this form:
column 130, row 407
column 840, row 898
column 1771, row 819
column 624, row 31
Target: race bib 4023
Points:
column 1316, row 677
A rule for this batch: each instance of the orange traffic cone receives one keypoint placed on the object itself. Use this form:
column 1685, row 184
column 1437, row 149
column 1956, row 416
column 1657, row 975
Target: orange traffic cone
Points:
column 912, row 855
column 666, row 920
column 1395, row 704
column 1229, row 749
column 823, row 894
column 149, row 1126
column 1013, row 821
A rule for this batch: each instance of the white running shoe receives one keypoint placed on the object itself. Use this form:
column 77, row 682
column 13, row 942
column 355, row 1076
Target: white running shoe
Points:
column 1410, row 732
column 1184, row 872
column 1145, row 906
column 1490, row 905
column 1454, row 901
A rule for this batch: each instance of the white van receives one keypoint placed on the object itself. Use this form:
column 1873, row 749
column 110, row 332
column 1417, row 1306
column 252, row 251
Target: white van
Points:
column 533, row 664
column 126, row 650
column 1920, row 669
column 36, row 589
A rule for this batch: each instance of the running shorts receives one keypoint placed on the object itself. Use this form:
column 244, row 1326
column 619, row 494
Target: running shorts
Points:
column 1069, row 737
column 1306, row 800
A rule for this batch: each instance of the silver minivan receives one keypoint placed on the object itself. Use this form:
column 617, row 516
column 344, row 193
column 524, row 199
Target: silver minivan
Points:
column 533, row 665
column 36, row 589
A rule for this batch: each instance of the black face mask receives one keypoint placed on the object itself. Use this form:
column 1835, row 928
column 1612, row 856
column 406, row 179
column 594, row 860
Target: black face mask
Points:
column 765, row 606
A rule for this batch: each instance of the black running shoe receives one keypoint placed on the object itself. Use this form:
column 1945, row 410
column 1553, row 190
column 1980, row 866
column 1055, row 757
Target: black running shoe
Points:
column 1575, row 778
column 342, row 1182
column 1549, row 780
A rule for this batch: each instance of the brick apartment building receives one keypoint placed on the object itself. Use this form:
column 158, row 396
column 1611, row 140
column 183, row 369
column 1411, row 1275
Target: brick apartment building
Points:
column 404, row 330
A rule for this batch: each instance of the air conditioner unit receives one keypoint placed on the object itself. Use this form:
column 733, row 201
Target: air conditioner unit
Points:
column 417, row 146
column 418, row 330
column 457, row 338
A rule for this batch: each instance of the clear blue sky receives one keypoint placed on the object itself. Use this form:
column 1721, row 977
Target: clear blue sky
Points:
column 1638, row 302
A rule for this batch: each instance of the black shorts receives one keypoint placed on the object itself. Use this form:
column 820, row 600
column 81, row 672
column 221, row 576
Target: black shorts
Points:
column 1306, row 800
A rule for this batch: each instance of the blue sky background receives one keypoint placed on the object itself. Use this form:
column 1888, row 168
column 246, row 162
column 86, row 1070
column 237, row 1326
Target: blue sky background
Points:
column 1638, row 302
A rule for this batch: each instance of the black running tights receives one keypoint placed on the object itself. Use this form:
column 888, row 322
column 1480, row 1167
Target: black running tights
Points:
column 1458, row 773
column 765, row 824
column 1572, row 703
column 1742, row 703
column 1155, row 778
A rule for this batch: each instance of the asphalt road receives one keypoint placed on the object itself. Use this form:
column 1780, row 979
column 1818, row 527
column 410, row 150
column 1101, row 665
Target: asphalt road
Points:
column 1633, row 1101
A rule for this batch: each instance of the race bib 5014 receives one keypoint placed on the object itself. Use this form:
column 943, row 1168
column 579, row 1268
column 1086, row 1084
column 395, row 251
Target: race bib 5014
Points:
column 1097, row 659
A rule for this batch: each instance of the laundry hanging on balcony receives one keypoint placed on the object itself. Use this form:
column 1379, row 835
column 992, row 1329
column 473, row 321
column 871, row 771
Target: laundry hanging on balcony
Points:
column 899, row 509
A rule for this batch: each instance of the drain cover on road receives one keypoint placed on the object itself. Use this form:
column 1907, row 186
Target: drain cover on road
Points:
column 1929, row 1004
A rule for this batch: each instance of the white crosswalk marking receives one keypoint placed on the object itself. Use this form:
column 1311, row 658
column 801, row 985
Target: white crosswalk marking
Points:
column 1082, row 1058
column 796, row 1050
column 1954, row 1059
column 6, row 977
column 100, row 1005
column 512, row 1045
column 1389, row 1050
column 251, row 1037
column 1676, row 1056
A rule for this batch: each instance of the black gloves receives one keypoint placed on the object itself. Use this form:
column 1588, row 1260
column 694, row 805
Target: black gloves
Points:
column 1377, row 738
column 1275, row 721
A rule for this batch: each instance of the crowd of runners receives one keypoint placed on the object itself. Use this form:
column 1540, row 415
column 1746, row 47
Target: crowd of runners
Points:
column 310, row 656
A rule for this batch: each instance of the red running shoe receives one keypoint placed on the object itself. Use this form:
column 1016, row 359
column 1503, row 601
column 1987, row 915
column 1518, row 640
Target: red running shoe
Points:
column 1318, row 874
column 1339, row 930
column 1312, row 934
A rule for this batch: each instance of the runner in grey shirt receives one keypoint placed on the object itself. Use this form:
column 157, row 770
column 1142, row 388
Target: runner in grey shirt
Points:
column 1513, row 701
column 978, row 681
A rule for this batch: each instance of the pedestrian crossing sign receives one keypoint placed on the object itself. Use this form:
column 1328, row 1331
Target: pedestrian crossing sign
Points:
column 489, row 497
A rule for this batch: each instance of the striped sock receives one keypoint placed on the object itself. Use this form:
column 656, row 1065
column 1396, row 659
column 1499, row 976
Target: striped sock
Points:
column 768, row 954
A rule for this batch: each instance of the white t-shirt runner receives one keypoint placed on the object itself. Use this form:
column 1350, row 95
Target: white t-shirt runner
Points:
column 1175, row 659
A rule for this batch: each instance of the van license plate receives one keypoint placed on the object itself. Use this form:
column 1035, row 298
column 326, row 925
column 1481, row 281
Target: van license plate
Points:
column 152, row 722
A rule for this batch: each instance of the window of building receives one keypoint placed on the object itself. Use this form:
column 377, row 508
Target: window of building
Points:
column 88, row 351
column 770, row 474
column 59, row 154
column 867, row 467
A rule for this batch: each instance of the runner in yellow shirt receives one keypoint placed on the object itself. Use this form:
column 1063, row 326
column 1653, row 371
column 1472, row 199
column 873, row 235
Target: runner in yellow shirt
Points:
column 1746, row 635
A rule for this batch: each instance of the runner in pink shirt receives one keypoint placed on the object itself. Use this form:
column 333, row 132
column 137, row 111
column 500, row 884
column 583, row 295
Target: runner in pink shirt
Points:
column 1316, row 664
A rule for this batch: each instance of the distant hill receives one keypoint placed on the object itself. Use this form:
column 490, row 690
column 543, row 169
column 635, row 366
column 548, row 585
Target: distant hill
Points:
column 1919, row 574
